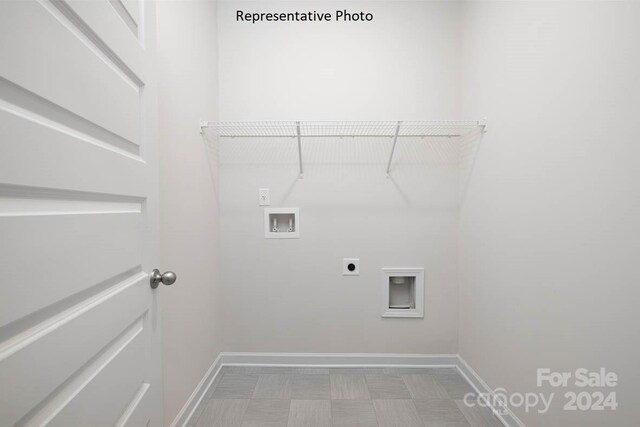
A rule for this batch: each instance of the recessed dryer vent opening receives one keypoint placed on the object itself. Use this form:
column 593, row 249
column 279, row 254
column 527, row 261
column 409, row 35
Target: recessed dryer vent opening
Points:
column 403, row 292
column 281, row 223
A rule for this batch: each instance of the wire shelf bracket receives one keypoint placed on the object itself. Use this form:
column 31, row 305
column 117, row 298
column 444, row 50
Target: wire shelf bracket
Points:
column 299, row 149
column 393, row 147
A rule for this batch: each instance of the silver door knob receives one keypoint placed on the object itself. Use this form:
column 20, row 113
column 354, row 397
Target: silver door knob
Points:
column 166, row 278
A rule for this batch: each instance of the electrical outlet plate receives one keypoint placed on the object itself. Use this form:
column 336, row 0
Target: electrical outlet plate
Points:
column 351, row 267
column 264, row 197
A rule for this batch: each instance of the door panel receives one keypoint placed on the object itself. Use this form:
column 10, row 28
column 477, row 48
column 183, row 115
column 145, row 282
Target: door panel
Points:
column 29, row 107
column 114, row 377
column 133, row 9
column 135, row 415
column 114, row 31
column 103, row 245
column 70, row 339
column 79, row 329
column 60, row 63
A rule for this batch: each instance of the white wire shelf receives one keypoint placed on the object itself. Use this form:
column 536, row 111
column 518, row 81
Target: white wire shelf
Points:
column 424, row 128
column 344, row 129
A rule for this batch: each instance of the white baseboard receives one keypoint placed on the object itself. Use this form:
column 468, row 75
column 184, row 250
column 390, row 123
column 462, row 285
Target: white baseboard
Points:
column 185, row 414
column 509, row 419
column 335, row 360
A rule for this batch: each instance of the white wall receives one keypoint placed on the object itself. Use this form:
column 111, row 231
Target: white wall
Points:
column 402, row 65
column 187, row 50
column 550, row 231
column 289, row 295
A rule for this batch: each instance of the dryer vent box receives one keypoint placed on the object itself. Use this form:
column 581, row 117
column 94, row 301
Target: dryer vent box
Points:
column 281, row 223
column 403, row 292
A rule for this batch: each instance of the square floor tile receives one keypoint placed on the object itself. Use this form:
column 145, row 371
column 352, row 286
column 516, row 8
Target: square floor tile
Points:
column 310, row 413
column 396, row 413
column 351, row 386
column 235, row 386
column 267, row 413
column 313, row 386
column 440, row 412
column 387, row 387
column 353, row 413
column 273, row 386
column 223, row 413
column 424, row 387
column 455, row 385
column 478, row 416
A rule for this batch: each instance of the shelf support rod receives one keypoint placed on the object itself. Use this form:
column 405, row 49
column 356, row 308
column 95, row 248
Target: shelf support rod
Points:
column 483, row 124
column 393, row 147
column 299, row 148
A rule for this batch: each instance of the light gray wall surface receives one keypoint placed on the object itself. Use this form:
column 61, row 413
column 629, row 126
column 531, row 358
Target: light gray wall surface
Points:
column 187, row 63
column 401, row 66
column 550, row 226
column 548, row 237
column 290, row 295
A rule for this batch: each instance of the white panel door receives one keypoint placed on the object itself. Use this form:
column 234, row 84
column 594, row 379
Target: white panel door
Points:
column 79, row 327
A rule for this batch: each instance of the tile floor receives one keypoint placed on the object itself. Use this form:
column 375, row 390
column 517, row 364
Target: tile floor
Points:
column 336, row 397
